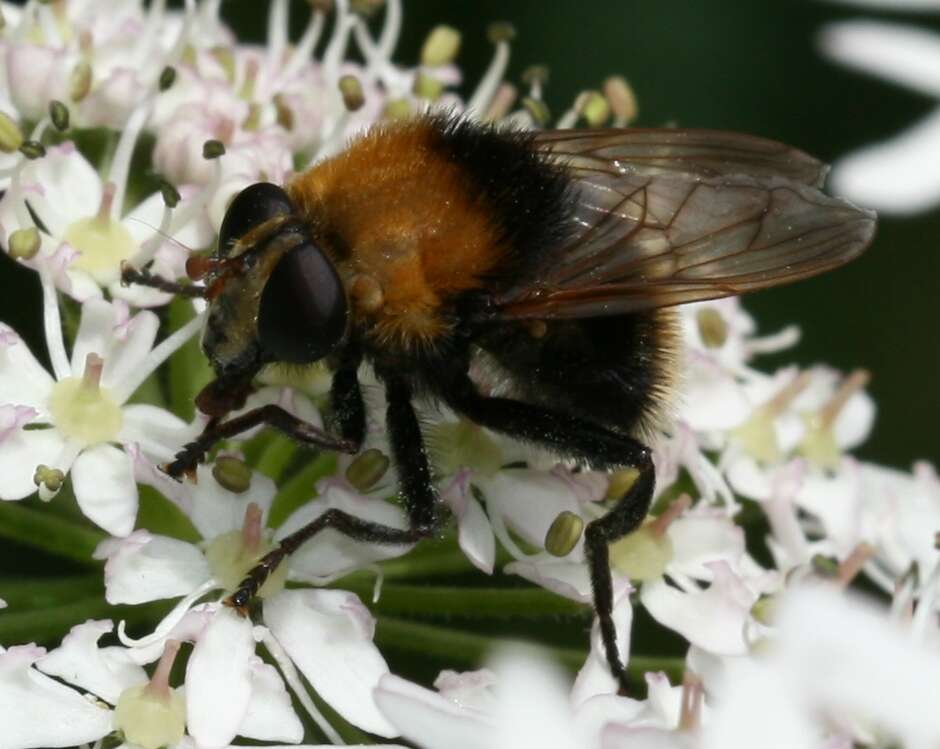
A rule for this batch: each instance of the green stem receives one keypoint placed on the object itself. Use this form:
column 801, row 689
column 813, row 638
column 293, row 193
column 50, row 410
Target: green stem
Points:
column 466, row 649
column 49, row 532
column 276, row 456
column 33, row 593
column 48, row 625
column 473, row 603
column 298, row 489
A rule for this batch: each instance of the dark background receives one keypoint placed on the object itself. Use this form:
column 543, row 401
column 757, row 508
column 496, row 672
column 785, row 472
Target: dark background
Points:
column 737, row 65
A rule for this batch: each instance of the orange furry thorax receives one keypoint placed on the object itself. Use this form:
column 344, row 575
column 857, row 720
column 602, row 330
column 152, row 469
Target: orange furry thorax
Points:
column 396, row 217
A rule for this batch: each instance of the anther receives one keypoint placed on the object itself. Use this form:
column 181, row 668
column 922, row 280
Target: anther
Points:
column 167, row 78
column 427, row 87
column 24, row 243
column 351, row 89
column 367, row 469
column 500, row 31
column 712, row 328
column 441, row 47
column 366, row 8
column 59, row 114
column 537, row 109
column 80, row 79
column 619, row 482
column 32, row 149
column 232, row 474
column 11, row 137
column 213, row 149
column 171, row 196
column 593, row 107
column 50, row 478
column 564, row 533
column 622, row 100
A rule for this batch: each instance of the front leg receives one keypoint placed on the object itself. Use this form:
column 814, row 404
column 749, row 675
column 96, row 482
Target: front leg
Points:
column 416, row 488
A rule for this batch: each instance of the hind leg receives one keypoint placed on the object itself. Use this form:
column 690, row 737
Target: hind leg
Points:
column 585, row 440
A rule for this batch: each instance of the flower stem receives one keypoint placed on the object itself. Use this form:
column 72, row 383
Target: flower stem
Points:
column 48, row 532
column 276, row 456
column 48, row 625
column 474, row 603
column 299, row 488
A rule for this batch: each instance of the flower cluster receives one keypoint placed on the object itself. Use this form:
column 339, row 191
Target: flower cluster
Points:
column 762, row 518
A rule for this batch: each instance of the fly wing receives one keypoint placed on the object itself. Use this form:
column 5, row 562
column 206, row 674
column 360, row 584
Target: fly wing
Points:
column 665, row 217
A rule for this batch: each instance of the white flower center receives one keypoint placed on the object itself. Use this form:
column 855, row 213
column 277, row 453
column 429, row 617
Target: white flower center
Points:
column 153, row 715
column 103, row 242
column 234, row 554
column 83, row 410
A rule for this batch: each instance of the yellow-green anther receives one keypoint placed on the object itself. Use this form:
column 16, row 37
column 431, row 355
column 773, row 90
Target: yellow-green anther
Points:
column 366, row 470
column 351, row 89
column 825, row 566
column 427, row 87
column 32, row 149
column 212, row 149
column 59, row 114
column 500, row 31
column 397, row 109
column 619, row 482
column 538, row 109
column 712, row 328
column 167, row 77
column 24, row 243
column 324, row 6
column 232, row 474
column 622, row 100
column 535, row 75
column 171, row 196
column 252, row 120
column 563, row 534
column 441, row 47
column 51, row 478
column 765, row 609
column 11, row 137
column 366, row 8
column 80, row 81
column 226, row 59
column 594, row 108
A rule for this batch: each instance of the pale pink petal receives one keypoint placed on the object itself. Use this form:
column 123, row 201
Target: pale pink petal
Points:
column 330, row 552
column 103, row 480
column 270, row 716
column 711, row 399
column 143, row 567
column 158, row 432
column 23, row 380
column 328, row 634
column 20, row 454
column 475, row 536
column 218, row 679
column 105, row 672
column 472, row 689
column 95, row 333
column 702, row 537
column 564, row 577
column 124, row 358
column 433, row 721
column 39, row 712
column 216, row 510
column 713, row 619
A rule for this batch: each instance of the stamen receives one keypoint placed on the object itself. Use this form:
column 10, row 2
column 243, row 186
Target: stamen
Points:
column 690, row 714
column 778, row 404
column 502, row 102
column 712, row 328
column 251, row 529
column 121, row 165
column 500, row 34
column 50, row 478
column 52, row 324
column 303, row 50
column 757, row 434
column 80, row 79
column 91, row 377
column 619, row 482
column 108, row 191
column 24, row 243
column 441, row 47
column 367, row 469
column 622, row 100
column 855, row 382
column 336, row 49
column 11, row 137
column 159, row 684
column 661, row 524
column 59, row 114
column 351, row 89
column 563, row 534
column 232, row 474
column 850, row 566
column 277, row 37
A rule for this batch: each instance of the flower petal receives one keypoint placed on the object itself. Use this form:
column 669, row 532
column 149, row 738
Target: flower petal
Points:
column 218, row 679
column 20, row 453
column 270, row 716
column 105, row 672
column 159, row 433
column 143, row 567
column 103, row 480
column 595, row 677
column 23, row 380
column 36, row 711
column 328, row 634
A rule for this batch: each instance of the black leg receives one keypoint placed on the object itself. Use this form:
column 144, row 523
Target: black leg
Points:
column 419, row 495
column 598, row 446
column 194, row 453
column 348, row 412
column 143, row 277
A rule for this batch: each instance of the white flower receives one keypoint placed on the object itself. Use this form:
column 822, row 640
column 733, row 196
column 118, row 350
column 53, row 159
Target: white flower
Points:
column 892, row 176
column 83, row 407
column 326, row 633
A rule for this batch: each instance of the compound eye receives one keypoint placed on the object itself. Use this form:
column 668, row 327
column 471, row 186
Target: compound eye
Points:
column 302, row 314
column 251, row 207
